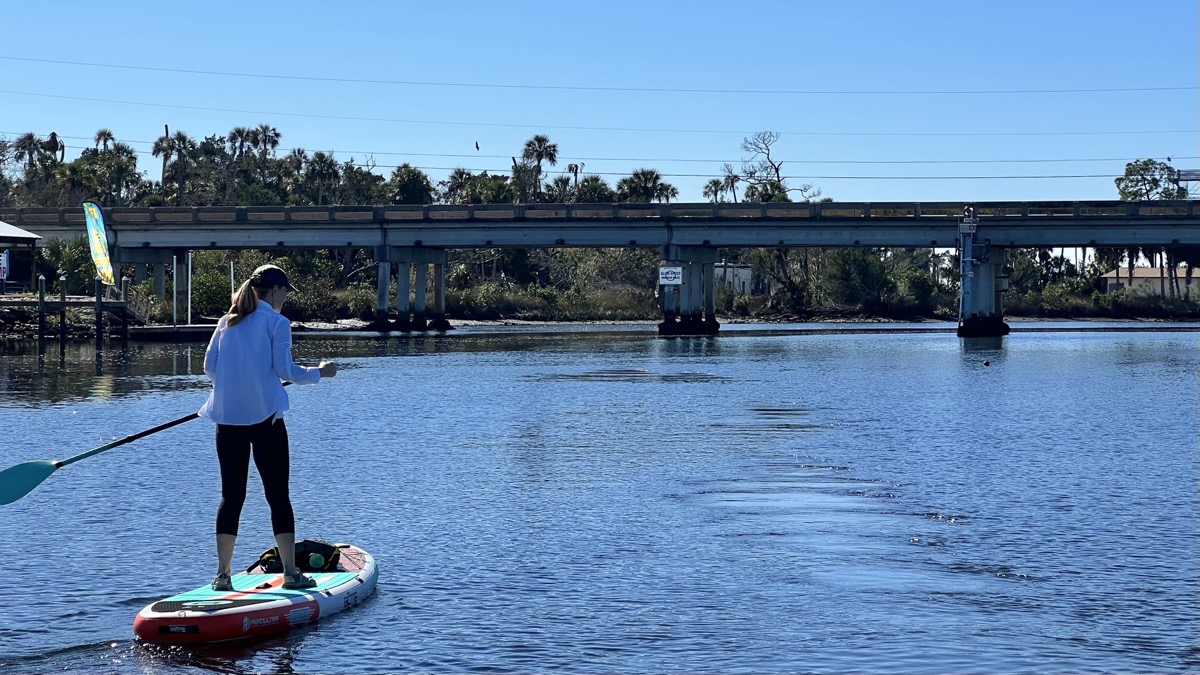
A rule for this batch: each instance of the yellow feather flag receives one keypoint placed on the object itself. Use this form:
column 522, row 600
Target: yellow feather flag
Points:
column 99, row 242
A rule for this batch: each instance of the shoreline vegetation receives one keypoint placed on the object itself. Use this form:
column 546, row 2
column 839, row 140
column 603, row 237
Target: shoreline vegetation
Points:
column 20, row 323
column 247, row 167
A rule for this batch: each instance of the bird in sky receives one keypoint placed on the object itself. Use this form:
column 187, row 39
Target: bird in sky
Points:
column 476, row 145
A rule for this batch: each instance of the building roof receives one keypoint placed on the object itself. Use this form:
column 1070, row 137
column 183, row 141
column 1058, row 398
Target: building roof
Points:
column 11, row 234
column 1140, row 273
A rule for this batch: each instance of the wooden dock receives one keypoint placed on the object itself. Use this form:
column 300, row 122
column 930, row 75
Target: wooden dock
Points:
column 192, row 332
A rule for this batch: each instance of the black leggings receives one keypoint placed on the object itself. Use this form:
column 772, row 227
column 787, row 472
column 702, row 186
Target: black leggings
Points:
column 269, row 441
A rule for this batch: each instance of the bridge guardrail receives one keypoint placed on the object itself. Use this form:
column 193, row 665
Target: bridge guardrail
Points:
column 299, row 215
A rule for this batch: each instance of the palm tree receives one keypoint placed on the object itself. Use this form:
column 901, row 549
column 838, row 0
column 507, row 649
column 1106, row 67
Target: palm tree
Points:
column 457, row 186
column 594, row 190
column 296, row 157
column 730, row 181
column 410, row 186
column 76, row 178
column 239, row 138
column 574, row 170
column 713, row 190
column 165, row 149
column 26, row 148
column 55, row 146
column 540, row 148
column 559, row 190
column 641, row 187
column 104, row 136
column 767, row 191
column 121, row 175
column 268, row 139
column 124, row 151
column 292, row 169
column 665, row 192
column 324, row 173
column 184, row 150
column 72, row 259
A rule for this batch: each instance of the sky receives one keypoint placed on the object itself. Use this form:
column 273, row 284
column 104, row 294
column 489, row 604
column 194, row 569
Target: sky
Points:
column 920, row 100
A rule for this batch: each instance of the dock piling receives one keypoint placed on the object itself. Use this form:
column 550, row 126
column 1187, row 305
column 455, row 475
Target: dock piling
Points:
column 41, row 285
column 99, row 315
column 62, row 317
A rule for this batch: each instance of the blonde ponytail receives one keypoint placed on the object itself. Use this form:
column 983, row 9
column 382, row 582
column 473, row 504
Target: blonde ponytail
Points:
column 245, row 301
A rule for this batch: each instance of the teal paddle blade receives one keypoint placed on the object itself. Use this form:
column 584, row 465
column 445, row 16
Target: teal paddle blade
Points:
column 20, row 480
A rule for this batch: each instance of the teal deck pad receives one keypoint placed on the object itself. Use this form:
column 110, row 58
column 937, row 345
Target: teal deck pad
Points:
column 249, row 583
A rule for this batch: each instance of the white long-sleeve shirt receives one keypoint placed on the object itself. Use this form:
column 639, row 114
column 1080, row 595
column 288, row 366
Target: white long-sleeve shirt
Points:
column 247, row 364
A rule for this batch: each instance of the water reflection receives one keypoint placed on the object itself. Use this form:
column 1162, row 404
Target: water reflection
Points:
column 688, row 345
column 992, row 345
column 553, row 503
column 627, row 375
column 985, row 351
column 268, row 654
column 86, row 372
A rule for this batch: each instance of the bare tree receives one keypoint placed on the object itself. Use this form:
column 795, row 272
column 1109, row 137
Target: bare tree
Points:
column 764, row 173
column 761, row 166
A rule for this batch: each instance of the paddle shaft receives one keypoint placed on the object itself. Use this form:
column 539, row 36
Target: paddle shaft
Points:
column 18, row 481
column 129, row 439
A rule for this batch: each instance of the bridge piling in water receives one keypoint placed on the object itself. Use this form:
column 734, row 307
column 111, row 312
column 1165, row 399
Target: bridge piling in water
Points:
column 689, row 308
column 383, row 300
column 980, row 308
column 403, row 291
column 420, row 289
column 412, row 271
column 439, row 322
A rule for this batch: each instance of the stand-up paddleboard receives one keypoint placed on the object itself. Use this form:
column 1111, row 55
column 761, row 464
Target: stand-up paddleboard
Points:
column 258, row 604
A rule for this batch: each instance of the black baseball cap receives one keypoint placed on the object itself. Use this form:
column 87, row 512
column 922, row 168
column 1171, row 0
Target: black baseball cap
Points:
column 269, row 276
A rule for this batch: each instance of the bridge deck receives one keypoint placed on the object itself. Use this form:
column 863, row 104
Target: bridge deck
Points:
column 1103, row 223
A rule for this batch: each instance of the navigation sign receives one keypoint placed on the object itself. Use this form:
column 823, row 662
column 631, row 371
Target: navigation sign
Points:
column 670, row 276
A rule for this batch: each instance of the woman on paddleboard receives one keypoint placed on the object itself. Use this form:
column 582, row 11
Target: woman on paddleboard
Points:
column 248, row 359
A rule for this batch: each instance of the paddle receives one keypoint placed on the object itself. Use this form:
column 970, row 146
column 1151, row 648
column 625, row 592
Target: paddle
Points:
column 20, row 480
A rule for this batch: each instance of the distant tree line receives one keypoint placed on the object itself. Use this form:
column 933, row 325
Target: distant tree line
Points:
column 245, row 167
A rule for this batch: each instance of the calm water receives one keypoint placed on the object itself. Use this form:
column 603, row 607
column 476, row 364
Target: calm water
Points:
column 622, row 503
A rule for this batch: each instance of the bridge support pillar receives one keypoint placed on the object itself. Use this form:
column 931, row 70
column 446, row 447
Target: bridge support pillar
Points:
column 980, row 312
column 383, row 290
column 154, row 259
column 403, row 296
column 180, row 286
column 420, row 290
column 709, row 281
column 415, row 262
column 439, row 321
column 160, row 281
column 689, row 308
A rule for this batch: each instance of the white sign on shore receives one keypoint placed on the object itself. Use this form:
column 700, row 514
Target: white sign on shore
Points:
column 670, row 276
column 4, row 264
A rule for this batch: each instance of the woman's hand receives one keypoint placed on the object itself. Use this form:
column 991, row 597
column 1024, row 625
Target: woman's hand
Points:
column 327, row 368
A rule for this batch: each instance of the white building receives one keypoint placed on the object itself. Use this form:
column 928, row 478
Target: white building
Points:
column 1147, row 281
column 736, row 277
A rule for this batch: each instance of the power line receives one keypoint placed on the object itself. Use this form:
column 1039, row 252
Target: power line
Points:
column 501, row 171
column 666, row 90
column 580, row 128
column 476, row 155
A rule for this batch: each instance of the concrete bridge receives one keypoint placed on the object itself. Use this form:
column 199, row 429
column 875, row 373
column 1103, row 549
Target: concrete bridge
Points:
column 411, row 238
